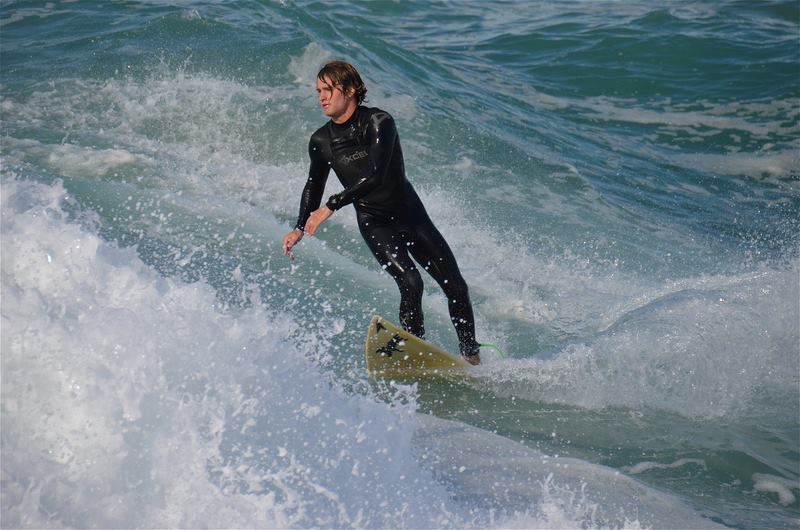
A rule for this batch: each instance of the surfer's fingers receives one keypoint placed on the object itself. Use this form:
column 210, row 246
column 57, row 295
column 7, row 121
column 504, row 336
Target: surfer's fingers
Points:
column 289, row 241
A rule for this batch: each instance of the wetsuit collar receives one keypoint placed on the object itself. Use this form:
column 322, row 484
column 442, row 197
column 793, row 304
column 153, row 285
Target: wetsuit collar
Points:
column 349, row 121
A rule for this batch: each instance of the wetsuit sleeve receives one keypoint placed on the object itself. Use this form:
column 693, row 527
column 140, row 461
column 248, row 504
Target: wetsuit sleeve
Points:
column 315, row 185
column 382, row 137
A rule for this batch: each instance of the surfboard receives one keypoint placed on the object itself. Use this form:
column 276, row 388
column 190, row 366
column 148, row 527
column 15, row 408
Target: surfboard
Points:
column 393, row 352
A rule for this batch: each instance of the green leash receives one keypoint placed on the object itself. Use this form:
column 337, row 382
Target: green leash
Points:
column 493, row 346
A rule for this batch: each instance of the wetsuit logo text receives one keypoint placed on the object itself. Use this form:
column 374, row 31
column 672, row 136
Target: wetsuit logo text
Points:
column 358, row 155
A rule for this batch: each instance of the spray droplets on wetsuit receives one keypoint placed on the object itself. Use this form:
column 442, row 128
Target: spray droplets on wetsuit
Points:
column 365, row 154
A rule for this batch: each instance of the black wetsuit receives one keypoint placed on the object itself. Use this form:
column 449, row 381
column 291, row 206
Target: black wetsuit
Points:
column 366, row 156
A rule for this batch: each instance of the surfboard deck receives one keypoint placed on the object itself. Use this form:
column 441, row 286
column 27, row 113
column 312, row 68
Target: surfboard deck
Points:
column 393, row 352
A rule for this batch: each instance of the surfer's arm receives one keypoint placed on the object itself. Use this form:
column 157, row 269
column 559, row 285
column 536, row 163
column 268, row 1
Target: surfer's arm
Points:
column 311, row 197
column 382, row 135
column 316, row 218
column 315, row 185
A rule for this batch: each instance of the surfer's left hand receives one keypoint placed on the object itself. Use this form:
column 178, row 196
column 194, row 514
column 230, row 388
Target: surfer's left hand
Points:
column 317, row 218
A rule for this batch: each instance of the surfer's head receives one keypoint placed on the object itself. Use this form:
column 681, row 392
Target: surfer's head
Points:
column 343, row 76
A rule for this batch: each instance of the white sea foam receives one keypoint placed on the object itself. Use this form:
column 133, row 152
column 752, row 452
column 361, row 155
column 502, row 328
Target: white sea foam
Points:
column 762, row 121
column 778, row 485
column 134, row 400
column 72, row 159
column 18, row 15
column 494, row 472
column 769, row 164
column 170, row 130
column 643, row 467
column 707, row 347
column 305, row 68
column 120, row 385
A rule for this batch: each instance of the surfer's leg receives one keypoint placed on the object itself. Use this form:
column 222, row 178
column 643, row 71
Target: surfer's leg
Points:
column 431, row 251
column 390, row 249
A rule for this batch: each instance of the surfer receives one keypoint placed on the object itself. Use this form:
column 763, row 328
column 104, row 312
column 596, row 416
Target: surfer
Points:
column 362, row 146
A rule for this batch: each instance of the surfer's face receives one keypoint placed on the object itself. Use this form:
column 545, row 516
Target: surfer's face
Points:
column 335, row 104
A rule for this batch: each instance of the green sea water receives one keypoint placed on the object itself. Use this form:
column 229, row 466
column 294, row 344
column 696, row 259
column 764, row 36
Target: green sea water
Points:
column 619, row 181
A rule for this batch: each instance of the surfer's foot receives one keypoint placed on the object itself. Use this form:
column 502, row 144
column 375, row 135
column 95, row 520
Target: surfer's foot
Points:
column 472, row 359
column 471, row 352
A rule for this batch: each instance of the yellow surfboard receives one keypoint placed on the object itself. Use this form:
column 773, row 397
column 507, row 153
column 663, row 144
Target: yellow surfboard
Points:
column 393, row 352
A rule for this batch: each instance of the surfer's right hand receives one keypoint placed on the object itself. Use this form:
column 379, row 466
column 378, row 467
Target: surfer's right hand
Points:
column 290, row 240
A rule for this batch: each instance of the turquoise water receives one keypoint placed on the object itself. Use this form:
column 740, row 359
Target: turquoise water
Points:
column 620, row 182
